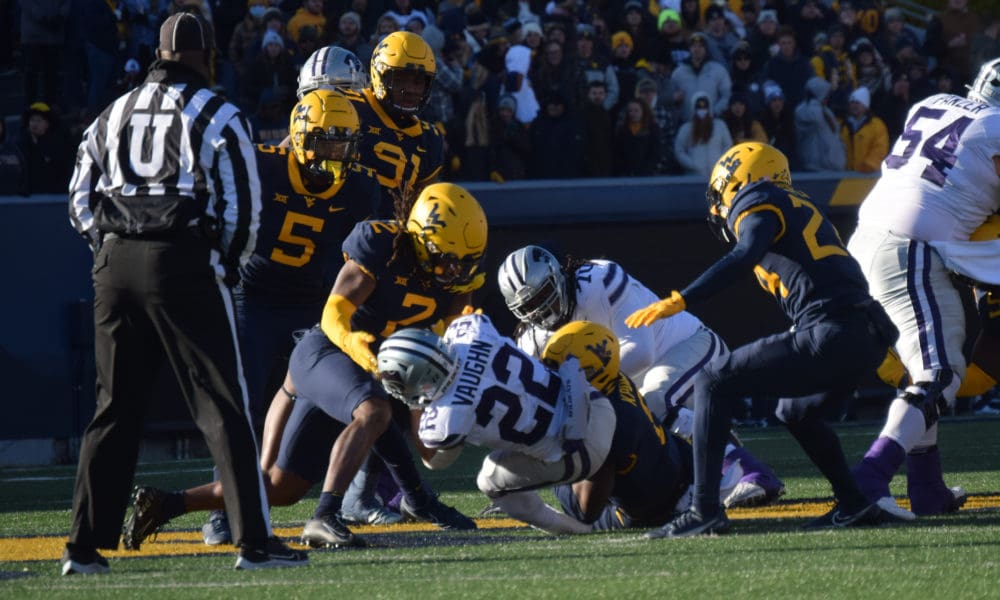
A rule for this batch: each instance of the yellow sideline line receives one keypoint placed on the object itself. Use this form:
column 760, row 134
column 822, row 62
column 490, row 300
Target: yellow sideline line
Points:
column 187, row 543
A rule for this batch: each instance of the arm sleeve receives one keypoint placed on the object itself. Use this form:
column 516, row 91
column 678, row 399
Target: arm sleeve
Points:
column 756, row 232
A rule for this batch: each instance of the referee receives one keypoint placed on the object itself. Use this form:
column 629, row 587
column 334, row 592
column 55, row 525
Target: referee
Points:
column 166, row 192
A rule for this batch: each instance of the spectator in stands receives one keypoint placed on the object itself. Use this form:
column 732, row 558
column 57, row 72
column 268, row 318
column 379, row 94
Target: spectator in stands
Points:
column 47, row 150
column 132, row 75
column 763, row 39
column 832, row 62
column 510, row 143
column 247, row 33
column 820, row 148
column 417, row 23
column 272, row 68
column 624, row 65
column 952, row 33
column 593, row 67
column 672, row 41
column 721, row 41
column 99, row 24
column 896, row 104
column 810, row 18
column 865, row 137
column 532, row 37
column 859, row 18
column 43, row 34
column 474, row 163
column 598, row 132
column 637, row 142
column 945, row 82
column 701, row 74
column 270, row 120
column 402, row 11
column 385, row 25
column 307, row 43
column 447, row 82
column 986, row 43
column 870, row 70
column 702, row 139
column 518, row 84
column 639, row 24
column 743, row 127
column 556, row 139
column 665, row 114
column 349, row 37
column 895, row 30
column 310, row 14
column 691, row 15
column 477, row 30
column 555, row 71
column 779, row 123
column 13, row 167
column 789, row 68
column 746, row 78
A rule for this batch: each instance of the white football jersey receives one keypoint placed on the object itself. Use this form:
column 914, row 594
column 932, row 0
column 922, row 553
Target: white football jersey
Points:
column 501, row 398
column 606, row 294
column 939, row 181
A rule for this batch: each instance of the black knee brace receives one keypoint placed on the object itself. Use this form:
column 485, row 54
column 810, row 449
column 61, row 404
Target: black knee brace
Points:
column 928, row 396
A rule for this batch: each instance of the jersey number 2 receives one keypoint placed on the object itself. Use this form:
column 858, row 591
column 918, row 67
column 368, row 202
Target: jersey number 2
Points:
column 546, row 393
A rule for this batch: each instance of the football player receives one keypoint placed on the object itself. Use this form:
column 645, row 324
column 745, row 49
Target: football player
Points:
column 938, row 185
column 417, row 270
column 477, row 387
column 663, row 358
column 648, row 473
column 331, row 67
column 839, row 332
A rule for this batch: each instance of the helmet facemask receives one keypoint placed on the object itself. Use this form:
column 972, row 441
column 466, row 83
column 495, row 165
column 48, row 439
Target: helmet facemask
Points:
column 986, row 87
column 534, row 287
column 399, row 61
column 416, row 367
column 325, row 132
column 330, row 153
column 448, row 268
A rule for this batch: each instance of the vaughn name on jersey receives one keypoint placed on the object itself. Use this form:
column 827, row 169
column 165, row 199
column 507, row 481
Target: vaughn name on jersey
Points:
column 501, row 397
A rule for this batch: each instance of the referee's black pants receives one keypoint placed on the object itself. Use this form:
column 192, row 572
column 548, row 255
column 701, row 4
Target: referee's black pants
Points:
column 157, row 300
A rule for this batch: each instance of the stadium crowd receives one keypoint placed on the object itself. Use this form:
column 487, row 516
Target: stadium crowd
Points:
column 526, row 89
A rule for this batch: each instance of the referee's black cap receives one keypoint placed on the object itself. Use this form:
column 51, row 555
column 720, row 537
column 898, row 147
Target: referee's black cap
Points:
column 186, row 31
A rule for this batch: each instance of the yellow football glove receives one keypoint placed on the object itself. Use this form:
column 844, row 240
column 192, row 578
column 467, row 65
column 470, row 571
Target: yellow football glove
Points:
column 661, row 309
column 439, row 327
column 892, row 371
column 336, row 324
column 468, row 310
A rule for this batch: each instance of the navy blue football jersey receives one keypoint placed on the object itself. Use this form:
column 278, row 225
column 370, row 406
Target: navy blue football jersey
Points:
column 301, row 231
column 403, row 297
column 807, row 268
column 411, row 155
column 649, row 472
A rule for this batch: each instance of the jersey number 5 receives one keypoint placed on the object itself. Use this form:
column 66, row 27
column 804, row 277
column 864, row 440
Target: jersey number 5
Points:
column 308, row 246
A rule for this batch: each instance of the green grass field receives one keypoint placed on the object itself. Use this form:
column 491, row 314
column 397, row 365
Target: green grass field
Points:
column 766, row 556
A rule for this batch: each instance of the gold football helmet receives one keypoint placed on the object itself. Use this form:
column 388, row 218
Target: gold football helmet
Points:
column 397, row 52
column 325, row 130
column 448, row 229
column 988, row 231
column 594, row 345
column 740, row 166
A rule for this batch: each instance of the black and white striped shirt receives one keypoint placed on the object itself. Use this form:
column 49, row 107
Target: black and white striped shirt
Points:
column 169, row 148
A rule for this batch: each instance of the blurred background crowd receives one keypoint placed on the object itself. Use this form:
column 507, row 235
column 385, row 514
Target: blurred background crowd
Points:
column 541, row 89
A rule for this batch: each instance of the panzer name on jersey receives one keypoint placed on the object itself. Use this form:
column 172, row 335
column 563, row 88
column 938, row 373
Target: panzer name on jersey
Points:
column 501, row 397
column 807, row 268
column 301, row 231
column 403, row 296
column 412, row 156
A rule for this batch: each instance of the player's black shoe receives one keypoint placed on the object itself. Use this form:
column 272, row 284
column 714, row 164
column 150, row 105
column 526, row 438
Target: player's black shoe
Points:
column 690, row 524
column 330, row 532
column 437, row 513
column 272, row 554
column 838, row 518
column 147, row 516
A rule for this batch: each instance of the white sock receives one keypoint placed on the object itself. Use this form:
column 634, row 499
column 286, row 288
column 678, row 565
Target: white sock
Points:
column 528, row 507
column 905, row 424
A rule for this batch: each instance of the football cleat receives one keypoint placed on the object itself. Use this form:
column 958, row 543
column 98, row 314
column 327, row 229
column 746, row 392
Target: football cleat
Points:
column 330, row 532
column 437, row 513
column 837, row 518
column 690, row 524
column 889, row 506
column 748, row 494
column 372, row 516
column 147, row 516
column 270, row 555
column 83, row 562
column 216, row 531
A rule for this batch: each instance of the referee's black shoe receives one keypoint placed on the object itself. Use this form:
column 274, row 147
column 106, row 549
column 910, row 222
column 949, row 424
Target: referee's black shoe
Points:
column 272, row 554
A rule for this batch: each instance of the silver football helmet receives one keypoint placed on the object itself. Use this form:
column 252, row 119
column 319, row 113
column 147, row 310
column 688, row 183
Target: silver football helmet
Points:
column 329, row 67
column 534, row 287
column 986, row 87
column 415, row 366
